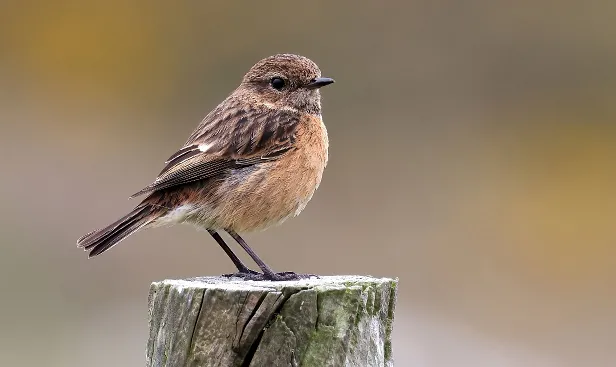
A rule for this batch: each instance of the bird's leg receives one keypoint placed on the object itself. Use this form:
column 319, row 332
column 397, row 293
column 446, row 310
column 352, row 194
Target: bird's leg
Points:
column 268, row 273
column 241, row 268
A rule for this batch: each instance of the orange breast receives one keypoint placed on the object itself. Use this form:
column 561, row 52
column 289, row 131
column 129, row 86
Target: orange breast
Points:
column 282, row 188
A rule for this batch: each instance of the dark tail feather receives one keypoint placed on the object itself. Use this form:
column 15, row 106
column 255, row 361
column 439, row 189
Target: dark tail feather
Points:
column 103, row 239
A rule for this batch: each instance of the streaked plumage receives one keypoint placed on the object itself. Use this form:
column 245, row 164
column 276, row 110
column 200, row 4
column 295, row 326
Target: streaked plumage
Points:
column 254, row 161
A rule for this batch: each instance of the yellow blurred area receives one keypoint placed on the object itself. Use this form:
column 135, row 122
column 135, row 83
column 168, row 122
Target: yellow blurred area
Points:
column 562, row 208
column 550, row 197
column 85, row 44
column 473, row 150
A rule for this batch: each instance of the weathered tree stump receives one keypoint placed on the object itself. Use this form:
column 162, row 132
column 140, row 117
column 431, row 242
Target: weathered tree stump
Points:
column 316, row 322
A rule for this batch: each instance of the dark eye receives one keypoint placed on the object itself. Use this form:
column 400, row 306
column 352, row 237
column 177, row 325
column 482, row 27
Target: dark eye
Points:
column 277, row 83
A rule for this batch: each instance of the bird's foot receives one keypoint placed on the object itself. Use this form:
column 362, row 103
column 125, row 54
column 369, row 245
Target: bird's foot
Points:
column 279, row 277
column 242, row 273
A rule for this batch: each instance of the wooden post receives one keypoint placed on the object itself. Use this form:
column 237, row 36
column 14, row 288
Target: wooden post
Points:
column 316, row 322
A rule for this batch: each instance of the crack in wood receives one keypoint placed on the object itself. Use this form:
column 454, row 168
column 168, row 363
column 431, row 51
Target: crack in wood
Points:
column 238, row 319
column 192, row 335
column 239, row 342
column 277, row 304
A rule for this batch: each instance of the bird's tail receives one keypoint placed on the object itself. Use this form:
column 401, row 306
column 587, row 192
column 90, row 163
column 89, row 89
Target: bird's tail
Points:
column 103, row 239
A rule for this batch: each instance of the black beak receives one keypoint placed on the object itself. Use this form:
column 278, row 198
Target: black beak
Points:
column 319, row 82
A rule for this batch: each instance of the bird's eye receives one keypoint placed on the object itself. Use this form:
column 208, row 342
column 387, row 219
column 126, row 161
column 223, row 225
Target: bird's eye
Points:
column 277, row 83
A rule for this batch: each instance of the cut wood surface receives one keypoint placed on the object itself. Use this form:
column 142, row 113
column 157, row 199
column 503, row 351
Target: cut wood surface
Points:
column 316, row 322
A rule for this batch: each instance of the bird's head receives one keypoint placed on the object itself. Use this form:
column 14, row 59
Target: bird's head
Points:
column 286, row 81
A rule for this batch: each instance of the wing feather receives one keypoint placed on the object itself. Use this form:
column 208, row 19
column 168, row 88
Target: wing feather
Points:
column 236, row 136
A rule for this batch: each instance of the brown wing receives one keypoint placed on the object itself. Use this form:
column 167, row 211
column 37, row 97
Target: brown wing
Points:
column 231, row 136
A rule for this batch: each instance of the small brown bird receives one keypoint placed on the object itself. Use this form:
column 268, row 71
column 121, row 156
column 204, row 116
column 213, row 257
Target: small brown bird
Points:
column 253, row 162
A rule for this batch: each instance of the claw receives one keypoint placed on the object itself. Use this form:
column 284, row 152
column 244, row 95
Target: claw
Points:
column 277, row 277
column 244, row 274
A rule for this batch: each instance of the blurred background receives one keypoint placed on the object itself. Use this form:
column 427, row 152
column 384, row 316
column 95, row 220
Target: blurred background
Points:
column 473, row 150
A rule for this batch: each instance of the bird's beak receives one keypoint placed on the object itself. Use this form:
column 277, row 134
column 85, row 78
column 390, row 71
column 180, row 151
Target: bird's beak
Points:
column 319, row 82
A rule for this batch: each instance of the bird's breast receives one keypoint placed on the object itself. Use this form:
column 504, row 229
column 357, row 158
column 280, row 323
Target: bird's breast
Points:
column 258, row 197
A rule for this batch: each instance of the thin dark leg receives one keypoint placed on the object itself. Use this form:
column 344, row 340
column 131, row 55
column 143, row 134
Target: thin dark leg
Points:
column 268, row 273
column 241, row 268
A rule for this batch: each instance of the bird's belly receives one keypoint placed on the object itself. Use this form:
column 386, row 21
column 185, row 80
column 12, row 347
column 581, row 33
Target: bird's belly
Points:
column 267, row 196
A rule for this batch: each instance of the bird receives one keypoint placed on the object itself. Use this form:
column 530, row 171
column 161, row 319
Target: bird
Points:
column 253, row 162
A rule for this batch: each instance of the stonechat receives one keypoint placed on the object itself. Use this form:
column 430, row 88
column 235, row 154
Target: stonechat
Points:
column 253, row 162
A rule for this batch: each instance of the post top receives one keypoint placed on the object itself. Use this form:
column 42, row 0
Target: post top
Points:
column 230, row 283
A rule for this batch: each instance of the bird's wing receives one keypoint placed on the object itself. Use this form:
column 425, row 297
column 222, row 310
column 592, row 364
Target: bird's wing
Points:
column 229, row 138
